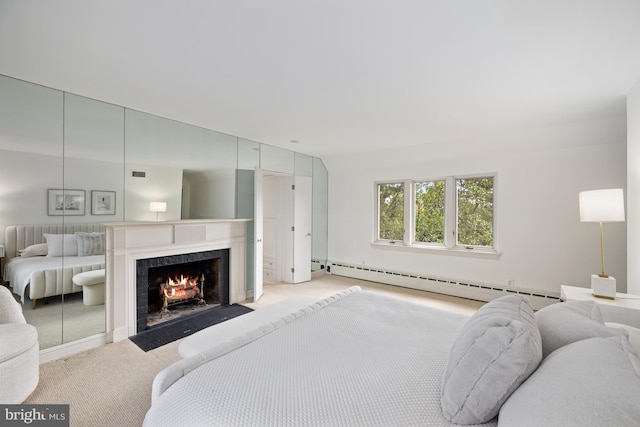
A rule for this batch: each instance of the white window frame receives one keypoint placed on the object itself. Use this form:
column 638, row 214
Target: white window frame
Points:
column 412, row 236
column 450, row 246
column 376, row 213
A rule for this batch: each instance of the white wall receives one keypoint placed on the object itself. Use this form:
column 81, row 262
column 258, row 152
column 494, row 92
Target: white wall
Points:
column 24, row 180
column 633, row 190
column 540, row 173
column 160, row 184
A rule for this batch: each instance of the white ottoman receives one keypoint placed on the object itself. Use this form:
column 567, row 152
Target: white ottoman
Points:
column 92, row 283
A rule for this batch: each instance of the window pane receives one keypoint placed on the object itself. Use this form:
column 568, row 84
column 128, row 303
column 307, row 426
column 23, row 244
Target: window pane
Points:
column 429, row 212
column 475, row 211
column 391, row 211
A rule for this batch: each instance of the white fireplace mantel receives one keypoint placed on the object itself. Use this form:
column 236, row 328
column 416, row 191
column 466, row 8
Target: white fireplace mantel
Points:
column 129, row 241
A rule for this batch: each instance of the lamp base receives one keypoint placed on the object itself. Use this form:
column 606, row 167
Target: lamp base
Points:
column 603, row 287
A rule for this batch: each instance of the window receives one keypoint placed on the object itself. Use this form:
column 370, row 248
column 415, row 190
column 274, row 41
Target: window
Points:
column 391, row 217
column 452, row 213
column 429, row 212
column 475, row 211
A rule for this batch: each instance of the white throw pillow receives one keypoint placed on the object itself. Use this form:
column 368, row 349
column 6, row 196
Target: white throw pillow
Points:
column 592, row 382
column 496, row 350
column 38, row 249
column 90, row 243
column 563, row 323
column 634, row 334
column 61, row 245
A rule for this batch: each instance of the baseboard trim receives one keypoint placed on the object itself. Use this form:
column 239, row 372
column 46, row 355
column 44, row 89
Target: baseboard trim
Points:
column 65, row 350
column 448, row 286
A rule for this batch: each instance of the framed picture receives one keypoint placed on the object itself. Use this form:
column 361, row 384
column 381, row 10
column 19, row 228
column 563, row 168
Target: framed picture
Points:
column 103, row 203
column 66, row 202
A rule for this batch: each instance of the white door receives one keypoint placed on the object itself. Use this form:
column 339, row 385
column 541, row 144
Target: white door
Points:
column 302, row 229
column 258, row 233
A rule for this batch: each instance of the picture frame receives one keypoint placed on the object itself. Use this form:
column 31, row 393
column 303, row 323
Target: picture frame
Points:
column 65, row 202
column 103, row 202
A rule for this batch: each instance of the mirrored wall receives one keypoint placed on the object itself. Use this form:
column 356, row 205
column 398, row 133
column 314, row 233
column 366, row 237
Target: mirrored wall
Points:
column 107, row 163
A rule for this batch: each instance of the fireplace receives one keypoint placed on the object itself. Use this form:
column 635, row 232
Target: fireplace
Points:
column 128, row 242
column 175, row 286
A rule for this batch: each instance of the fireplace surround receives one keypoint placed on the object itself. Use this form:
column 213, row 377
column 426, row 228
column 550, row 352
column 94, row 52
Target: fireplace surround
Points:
column 128, row 242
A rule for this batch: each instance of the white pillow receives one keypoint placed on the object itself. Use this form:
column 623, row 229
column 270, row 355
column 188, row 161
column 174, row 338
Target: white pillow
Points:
column 563, row 323
column 496, row 350
column 592, row 382
column 61, row 245
column 634, row 334
column 38, row 249
column 90, row 243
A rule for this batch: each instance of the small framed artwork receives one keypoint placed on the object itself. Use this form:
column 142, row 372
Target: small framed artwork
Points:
column 103, row 202
column 65, row 202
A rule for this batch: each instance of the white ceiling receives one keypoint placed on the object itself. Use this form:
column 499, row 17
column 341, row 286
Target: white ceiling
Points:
column 338, row 76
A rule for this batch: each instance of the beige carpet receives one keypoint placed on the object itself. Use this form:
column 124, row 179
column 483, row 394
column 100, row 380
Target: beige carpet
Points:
column 59, row 323
column 106, row 386
column 111, row 385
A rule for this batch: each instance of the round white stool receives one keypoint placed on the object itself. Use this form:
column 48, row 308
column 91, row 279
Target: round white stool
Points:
column 92, row 283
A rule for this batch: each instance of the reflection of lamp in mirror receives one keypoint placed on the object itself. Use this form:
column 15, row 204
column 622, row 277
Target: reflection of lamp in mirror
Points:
column 602, row 206
column 157, row 207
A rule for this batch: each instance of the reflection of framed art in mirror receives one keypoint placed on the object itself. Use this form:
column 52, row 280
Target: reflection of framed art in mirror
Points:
column 66, row 202
column 103, row 202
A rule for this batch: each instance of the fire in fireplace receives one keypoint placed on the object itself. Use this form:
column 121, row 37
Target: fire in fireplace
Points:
column 183, row 289
column 175, row 286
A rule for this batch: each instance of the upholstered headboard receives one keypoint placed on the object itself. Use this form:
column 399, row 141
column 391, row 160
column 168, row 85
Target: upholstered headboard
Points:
column 17, row 237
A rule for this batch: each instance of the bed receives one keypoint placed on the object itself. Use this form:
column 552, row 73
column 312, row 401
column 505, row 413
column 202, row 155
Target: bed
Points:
column 360, row 358
column 41, row 259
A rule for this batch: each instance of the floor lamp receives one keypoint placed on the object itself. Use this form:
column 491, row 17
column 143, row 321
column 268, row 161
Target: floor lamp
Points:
column 602, row 206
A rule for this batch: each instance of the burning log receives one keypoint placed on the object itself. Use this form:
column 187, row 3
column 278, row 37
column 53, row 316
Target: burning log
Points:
column 178, row 290
column 173, row 294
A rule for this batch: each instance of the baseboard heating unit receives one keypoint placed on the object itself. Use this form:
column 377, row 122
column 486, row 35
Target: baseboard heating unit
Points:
column 448, row 286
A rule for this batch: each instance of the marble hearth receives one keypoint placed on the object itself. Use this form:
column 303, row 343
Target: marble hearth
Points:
column 127, row 242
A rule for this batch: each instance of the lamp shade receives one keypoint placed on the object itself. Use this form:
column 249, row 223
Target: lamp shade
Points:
column 602, row 205
column 158, row 207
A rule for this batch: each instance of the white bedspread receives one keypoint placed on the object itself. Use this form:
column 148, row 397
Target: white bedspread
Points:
column 356, row 359
column 19, row 269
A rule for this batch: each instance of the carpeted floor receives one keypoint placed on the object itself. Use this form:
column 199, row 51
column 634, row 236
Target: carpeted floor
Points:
column 104, row 387
column 59, row 323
